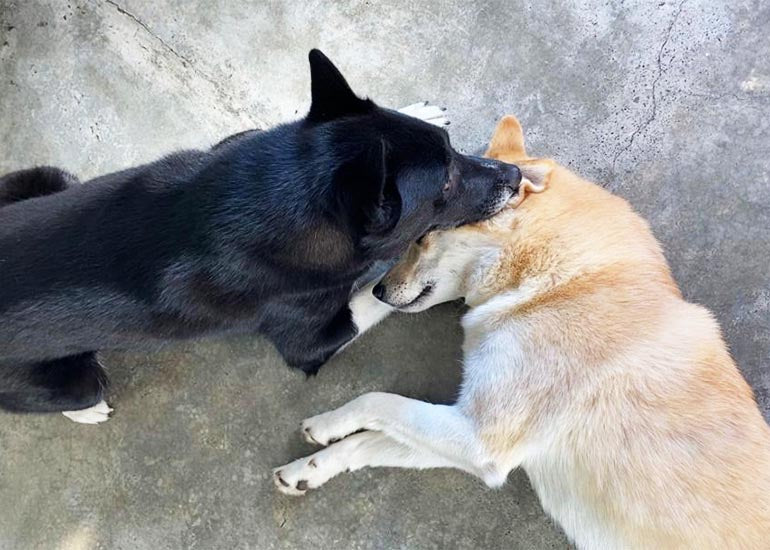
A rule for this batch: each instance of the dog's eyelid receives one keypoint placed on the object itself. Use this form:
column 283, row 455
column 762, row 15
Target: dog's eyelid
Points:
column 452, row 179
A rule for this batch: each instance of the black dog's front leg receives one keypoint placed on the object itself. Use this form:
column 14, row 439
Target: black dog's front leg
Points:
column 362, row 313
column 306, row 347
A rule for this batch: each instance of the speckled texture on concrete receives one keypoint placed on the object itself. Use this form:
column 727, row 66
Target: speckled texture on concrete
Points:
column 668, row 103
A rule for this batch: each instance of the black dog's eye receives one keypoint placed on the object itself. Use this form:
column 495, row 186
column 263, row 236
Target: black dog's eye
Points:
column 452, row 181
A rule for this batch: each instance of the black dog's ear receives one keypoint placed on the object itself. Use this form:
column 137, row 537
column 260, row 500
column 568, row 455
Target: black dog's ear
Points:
column 369, row 192
column 331, row 94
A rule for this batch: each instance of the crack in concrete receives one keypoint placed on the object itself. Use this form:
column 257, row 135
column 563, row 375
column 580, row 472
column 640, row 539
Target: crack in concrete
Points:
column 746, row 98
column 185, row 61
column 646, row 123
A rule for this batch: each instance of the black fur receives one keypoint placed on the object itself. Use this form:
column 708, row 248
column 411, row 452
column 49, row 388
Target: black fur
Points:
column 266, row 233
column 33, row 182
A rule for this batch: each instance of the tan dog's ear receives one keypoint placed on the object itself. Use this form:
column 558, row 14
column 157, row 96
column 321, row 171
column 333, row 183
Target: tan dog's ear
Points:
column 507, row 141
column 534, row 178
column 508, row 145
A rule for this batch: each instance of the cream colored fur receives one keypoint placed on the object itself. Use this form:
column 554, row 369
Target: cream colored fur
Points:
column 583, row 365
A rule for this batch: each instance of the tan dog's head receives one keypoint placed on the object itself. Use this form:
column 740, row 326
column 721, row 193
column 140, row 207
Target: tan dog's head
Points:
column 440, row 267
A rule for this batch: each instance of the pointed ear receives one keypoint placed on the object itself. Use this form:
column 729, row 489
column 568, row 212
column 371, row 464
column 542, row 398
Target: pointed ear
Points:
column 369, row 193
column 535, row 176
column 331, row 94
column 507, row 141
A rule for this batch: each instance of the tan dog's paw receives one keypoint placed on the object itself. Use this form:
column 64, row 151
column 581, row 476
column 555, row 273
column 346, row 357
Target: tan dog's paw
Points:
column 324, row 429
column 306, row 473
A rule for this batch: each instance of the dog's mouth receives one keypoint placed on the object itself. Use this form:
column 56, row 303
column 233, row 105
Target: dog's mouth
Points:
column 488, row 209
column 502, row 200
column 424, row 293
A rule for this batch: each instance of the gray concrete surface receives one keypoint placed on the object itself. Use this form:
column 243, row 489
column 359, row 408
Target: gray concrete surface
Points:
column 668, row 103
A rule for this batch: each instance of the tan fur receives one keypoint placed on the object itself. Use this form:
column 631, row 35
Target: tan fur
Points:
column 626, row 409
column 582, row 364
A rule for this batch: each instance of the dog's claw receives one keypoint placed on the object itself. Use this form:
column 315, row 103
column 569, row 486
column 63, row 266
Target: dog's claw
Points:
column 309, row 437
column 427, row 113
column 299, row 489
column 280, row 479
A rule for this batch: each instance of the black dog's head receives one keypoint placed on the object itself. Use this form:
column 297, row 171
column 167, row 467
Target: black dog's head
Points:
column 396, row 177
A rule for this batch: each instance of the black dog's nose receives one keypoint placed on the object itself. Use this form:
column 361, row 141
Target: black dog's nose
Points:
column 379, row 291
column 510, row 176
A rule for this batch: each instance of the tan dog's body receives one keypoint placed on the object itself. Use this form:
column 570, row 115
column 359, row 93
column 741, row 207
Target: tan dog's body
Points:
column 584, row 366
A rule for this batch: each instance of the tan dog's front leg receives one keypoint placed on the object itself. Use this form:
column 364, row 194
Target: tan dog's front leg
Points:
column 361, row 450
column 441, row 430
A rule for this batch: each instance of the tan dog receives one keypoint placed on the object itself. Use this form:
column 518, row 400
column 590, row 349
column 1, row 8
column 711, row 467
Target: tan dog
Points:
column 583, row 365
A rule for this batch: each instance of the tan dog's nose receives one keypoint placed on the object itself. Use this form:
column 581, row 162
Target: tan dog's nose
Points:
column 379, row 291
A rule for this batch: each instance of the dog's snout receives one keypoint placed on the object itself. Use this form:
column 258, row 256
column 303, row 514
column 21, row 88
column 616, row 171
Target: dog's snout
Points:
column 379, row 291
column 510, row 176
column 501, row 173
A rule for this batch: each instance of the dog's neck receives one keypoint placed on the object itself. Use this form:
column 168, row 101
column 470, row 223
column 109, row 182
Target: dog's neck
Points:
column 497, row 272
column 512, row 261
column 554, row 238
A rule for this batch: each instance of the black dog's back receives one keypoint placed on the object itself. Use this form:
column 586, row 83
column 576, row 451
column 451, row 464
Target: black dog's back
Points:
column 80, row 265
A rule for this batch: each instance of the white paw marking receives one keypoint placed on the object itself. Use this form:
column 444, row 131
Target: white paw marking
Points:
column 326, row 428
column 367, row 310
column 92, row 415
column 426, row 112
column 305, row 473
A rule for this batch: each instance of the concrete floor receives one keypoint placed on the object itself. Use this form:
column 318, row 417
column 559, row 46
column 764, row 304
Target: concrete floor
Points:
column 668, row 103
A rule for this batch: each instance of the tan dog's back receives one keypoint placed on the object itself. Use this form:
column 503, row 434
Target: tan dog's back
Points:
column 630, row 417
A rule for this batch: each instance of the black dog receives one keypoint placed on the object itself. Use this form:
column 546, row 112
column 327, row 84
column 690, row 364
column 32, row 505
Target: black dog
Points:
column 266, row 232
